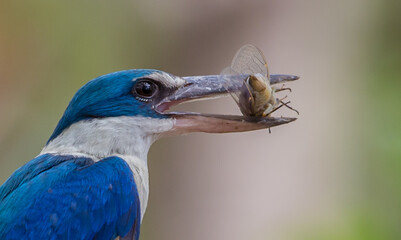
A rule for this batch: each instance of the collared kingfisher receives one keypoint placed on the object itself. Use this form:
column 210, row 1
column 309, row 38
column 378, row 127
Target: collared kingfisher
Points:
column 91, row 180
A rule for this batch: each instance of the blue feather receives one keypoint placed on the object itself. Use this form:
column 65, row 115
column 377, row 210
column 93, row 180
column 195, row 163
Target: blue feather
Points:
column 66, row 197
column 106, row 96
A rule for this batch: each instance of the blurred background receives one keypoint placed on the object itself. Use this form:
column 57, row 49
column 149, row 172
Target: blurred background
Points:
column 335, row 173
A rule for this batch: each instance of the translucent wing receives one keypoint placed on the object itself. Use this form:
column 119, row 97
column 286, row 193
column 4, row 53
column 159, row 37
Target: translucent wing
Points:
column 248, row 60
column 227, row 83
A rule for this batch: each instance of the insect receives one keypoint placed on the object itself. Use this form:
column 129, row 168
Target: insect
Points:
column 256, row 96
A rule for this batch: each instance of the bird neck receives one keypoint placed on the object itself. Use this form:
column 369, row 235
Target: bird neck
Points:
column 104, row 137
column 127, row 137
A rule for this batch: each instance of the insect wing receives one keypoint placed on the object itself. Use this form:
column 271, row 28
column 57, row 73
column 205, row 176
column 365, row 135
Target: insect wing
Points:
column 243, row 97
column 250, row 60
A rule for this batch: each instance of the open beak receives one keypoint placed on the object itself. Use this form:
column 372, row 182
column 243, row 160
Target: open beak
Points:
column 212, row 86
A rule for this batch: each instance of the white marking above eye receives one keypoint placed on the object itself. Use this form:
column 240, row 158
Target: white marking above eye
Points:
column 167, row 79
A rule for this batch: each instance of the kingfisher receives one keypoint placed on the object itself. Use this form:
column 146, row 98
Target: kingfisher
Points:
column 91, row 181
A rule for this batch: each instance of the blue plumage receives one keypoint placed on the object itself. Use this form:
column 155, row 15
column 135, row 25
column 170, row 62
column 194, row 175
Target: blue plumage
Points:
column 61, row 196
column 106, row 96
column 66, row 197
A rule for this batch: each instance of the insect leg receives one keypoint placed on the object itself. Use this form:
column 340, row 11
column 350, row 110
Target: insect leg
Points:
column 283, row 89
column 288, row 106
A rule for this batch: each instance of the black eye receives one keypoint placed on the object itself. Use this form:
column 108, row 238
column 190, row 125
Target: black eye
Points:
column 145, row 89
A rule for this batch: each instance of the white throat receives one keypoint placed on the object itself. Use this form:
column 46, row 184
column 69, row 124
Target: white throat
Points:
column 127, row 137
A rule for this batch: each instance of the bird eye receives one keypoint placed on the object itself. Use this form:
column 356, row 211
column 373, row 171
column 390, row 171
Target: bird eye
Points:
column 145, row 89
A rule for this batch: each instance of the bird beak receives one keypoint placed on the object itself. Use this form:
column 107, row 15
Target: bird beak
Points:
column 212, row 86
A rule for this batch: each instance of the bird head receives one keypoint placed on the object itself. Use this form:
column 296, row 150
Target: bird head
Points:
column 125, row 112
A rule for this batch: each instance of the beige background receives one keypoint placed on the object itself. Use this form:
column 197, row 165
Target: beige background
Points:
column 311, row 179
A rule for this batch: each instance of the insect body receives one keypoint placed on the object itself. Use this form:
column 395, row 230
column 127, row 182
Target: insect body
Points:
column 256, row 97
